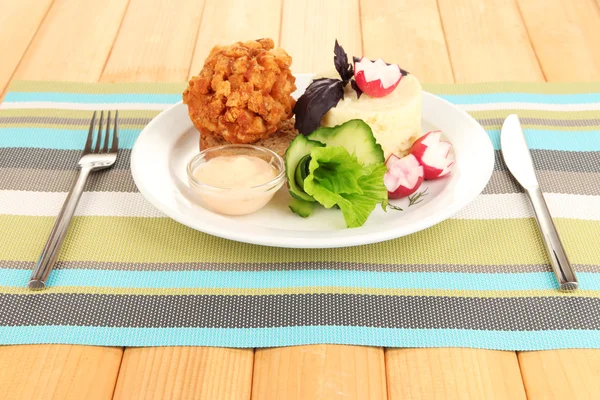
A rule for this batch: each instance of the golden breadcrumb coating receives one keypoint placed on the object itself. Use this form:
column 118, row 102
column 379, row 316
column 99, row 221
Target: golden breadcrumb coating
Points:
column 243, row 92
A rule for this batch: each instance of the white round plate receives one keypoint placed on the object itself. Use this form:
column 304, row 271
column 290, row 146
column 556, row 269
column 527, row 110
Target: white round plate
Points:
column 169, row 141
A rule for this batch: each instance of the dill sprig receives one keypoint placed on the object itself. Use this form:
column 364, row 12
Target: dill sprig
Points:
column 417, row 198
column 393, row 207
column 412, row 200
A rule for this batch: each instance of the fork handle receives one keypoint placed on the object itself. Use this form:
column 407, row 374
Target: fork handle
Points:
column 558, row 258
column 59, row 232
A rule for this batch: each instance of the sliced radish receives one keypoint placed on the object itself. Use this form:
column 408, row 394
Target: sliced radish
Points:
column 376, row 78
column 404, row 176
column 433, row 154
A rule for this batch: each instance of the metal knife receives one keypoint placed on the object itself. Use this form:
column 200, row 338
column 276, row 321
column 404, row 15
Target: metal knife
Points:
column 518, row 159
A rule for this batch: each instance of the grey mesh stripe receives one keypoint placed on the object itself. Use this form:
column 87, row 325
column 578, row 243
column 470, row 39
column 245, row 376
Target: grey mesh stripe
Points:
column 587, row 183
column 293, row 266
column 41, row 180
column 51, row 159
column 556, row 160
column 144, row 121
column 120, row 180
column 417, row 312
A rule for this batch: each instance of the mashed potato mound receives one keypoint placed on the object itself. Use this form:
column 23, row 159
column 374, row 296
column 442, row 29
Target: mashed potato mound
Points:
column 395, row 119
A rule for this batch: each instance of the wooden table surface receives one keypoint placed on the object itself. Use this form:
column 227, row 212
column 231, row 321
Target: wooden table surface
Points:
column 161, row 40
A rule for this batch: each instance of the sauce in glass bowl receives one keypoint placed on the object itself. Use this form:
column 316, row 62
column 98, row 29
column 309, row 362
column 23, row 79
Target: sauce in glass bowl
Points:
column 236, row 179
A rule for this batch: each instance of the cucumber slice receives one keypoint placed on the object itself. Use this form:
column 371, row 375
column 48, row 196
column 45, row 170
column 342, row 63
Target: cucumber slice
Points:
column 301, row 207
column 302, row 171
column 356, row 136
column 298, row 149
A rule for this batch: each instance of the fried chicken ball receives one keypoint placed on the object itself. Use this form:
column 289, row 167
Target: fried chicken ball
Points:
column 243, row 92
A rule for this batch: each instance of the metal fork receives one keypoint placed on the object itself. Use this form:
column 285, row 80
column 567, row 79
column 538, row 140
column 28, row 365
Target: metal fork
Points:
column 95, row 156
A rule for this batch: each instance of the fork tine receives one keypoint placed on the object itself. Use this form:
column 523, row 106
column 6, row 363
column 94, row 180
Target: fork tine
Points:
column 115, row 142
column 99, row 135
column 90, row 136
column 106, row 134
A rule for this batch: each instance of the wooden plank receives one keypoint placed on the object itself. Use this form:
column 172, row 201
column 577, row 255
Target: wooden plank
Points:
column 58, row 372
column 561, row 374
column 309, row 29
column 408, row 33
column 567, row 52
column 171, row 372
column 185, row 373
column 19, row 21
column 453, row 374
column 319, row 372
column 471, row 30
column 483, row 49
column 74, row 41
column 155, row 42
column 334, row 364
column 487, row 40
column 566, row 37
column 229, row 21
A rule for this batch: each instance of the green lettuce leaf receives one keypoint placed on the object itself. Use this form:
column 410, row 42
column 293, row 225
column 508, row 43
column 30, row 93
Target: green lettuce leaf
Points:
column 337, row 178
column 332, row 171
column 356, row 207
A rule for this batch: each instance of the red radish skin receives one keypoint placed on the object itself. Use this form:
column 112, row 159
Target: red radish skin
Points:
column 404, row 176
column 433, row 154
column 376, row 78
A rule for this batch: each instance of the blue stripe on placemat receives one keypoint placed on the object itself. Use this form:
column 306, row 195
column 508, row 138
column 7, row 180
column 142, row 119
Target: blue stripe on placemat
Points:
column 59, row 139
column 299, row 335
column 581, row 98
column 74, row 139
column 548, row 139
column 298, row 278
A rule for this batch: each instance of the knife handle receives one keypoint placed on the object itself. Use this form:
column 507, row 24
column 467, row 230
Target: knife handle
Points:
column 558, row 258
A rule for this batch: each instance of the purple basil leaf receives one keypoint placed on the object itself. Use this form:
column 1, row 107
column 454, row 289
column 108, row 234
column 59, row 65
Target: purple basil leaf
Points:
column 320, row 96
column 356, row 88
column 340, row 59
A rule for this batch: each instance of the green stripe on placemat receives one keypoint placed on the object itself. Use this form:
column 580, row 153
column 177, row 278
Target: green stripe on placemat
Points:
column 129, row 276
column 165, row 240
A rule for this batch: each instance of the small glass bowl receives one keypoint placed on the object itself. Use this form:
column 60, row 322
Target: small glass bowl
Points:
column 234, row 201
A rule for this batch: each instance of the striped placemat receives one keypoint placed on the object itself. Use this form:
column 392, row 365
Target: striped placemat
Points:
column 128, row 276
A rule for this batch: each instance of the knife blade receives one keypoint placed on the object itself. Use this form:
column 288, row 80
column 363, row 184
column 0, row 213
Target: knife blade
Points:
column 518, row 159
column 516, row 153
